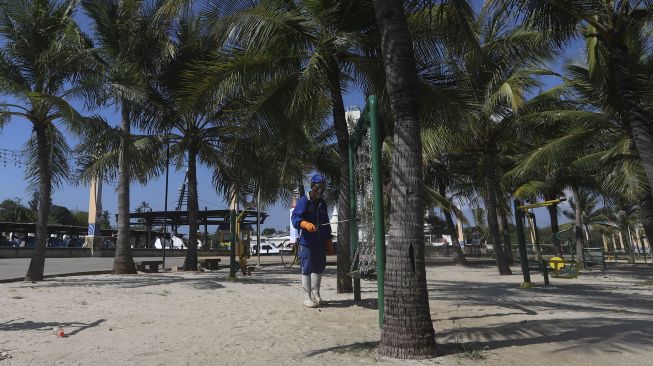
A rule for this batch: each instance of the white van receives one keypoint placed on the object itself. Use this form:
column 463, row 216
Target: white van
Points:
column 177, row 243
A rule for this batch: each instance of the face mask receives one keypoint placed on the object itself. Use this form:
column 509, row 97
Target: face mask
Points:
column 320, row 188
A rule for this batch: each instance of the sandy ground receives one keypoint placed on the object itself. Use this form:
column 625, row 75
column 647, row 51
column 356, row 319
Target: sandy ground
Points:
column 480, row 318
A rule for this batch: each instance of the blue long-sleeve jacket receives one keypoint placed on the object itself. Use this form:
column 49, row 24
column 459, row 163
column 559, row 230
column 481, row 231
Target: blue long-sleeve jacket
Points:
column 314, row 212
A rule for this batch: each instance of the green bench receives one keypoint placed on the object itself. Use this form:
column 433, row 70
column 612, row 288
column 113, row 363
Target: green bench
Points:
column 593, row 257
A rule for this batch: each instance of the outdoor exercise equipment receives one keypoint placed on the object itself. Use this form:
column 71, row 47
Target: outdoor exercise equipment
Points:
column 591, row 256
column 520, row 211
column 367, row 231
column 563, row 268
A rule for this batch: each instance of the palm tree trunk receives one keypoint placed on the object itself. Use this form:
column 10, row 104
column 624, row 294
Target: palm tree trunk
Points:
column 553, row 217
column 490, row 201
column 606, row 247
column 458, row 255
column 631, row 247
column 578, row 227
column 588, row 236
column 123, row 262
column 344, row 283
column 646, row 214
column 407, row 330
column 507, row 245
column 190, row 263
column 636, row 118
column 37, row 264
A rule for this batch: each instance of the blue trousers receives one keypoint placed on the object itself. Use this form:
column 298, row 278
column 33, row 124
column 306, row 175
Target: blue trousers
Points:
column 313, row 260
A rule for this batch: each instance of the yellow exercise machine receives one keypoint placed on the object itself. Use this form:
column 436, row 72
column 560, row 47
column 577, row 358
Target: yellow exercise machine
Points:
column 563, row 268
column 520, row 212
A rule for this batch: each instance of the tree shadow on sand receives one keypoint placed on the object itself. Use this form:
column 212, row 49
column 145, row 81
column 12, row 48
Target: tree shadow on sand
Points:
column 591, row 334
column 569, row 296
column 209, row 280
column 353, row 348
column 17, row 325
column 640, row 271
column 132, row 281
column 602, row 317
column 364, row 303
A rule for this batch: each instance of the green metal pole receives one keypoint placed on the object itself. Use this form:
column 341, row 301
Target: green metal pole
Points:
column 232, row 252
column 377, row 189
column 353, row 224
column 521, row 239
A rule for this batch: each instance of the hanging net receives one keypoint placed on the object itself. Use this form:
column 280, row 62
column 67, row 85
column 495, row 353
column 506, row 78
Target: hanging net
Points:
column 364, row 258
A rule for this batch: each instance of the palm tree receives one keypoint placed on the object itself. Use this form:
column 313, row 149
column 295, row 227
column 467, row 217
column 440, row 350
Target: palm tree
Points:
column 646, row 217
column 589, row 127
column 444, row 171
column 192, row 127
column 621, row 215
column 556, row 155
column 43, row 58
column 203, row 128
column 306, row 47
column 587, row 204
column 583, row 212
column 448, row 207
column 132, row 44
column 499, row 66
column 610, row 25
column 408, row 329
column 479, row 215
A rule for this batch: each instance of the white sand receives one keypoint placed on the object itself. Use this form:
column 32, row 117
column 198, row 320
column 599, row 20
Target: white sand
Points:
column 202, row 319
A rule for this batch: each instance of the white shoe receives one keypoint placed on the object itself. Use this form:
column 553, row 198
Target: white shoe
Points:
column 316, row 279
column 306, row 289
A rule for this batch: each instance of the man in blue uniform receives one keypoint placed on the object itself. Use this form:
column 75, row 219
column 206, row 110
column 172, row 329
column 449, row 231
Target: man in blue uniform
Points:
column 311, row 219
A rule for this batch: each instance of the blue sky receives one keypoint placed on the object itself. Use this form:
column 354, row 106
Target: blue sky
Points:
column 13, row 184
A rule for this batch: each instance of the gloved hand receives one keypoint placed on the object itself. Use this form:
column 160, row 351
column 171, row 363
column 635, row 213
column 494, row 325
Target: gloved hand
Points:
column 307, row 226
column 329, row 247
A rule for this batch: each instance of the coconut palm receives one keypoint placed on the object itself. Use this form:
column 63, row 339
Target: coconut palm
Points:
column 621, row 215
column 209, row 129
column 446, row 171
column 587, row 129
column 646, row 217
column 438, row 197
column 500, row 69
column 132, row 45
column 408, row 330
column 554, row 165
column 618, row 160
column 193, row 129
column 586, row 202
column 43, row 59
column 306, row 47
column 610, row 27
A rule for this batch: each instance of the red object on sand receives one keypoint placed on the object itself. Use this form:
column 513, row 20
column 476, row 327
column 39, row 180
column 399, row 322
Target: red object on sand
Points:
column 60, row 333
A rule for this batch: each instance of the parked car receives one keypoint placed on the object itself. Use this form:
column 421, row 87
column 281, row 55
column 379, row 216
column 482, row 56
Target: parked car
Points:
column 55, row 243
column 27, row 242
column 75, row 243
column 4, row 242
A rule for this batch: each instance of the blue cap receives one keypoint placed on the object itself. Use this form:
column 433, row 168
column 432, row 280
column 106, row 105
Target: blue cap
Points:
column 317, row 179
